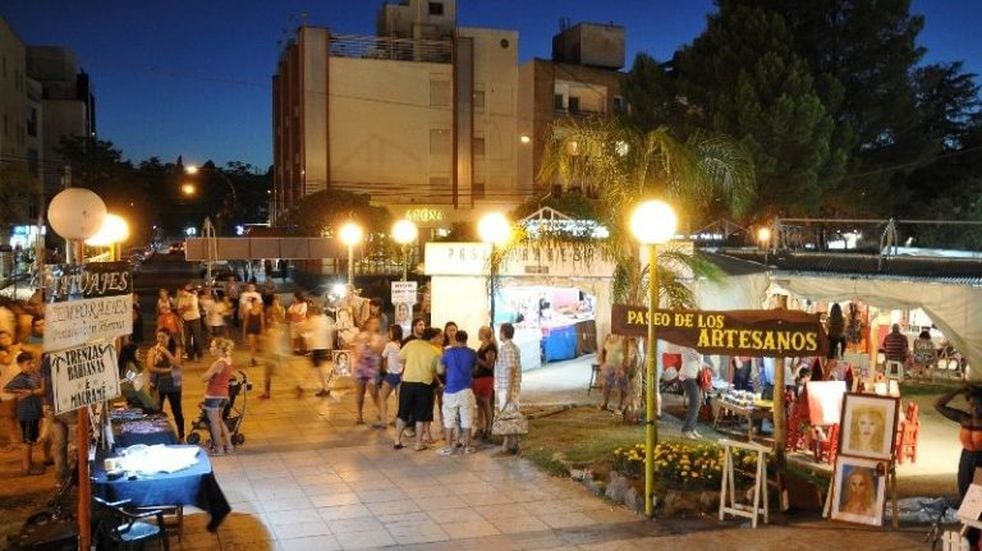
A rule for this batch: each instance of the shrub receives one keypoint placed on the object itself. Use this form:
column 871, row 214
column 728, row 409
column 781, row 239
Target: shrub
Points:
column 683, row 466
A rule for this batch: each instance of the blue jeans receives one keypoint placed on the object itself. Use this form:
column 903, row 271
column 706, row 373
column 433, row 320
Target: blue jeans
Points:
column 694, row 395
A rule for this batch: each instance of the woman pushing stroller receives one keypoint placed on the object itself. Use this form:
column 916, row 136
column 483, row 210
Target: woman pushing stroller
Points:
column 217, row 395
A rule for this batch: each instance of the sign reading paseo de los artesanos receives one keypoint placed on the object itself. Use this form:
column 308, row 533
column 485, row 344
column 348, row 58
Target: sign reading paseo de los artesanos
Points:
column 758, row 333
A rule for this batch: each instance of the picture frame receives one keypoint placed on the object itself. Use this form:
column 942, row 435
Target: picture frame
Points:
column 342, row 362
column 868, row 426
column 859, row 490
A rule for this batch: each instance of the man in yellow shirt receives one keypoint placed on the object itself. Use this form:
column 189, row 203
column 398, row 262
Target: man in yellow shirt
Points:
column 421, row 357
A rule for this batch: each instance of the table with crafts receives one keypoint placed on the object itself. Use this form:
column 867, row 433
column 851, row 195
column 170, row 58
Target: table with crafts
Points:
column 743, row 405
column 161, row 475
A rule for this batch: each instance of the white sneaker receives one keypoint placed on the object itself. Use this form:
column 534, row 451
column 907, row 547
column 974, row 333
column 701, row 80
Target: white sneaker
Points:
column 691, row 435
column 696, row 433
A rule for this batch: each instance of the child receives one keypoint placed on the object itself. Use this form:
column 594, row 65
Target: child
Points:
column 28, row 388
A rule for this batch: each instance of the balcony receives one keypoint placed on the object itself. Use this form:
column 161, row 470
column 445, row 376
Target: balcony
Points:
column 393, row 49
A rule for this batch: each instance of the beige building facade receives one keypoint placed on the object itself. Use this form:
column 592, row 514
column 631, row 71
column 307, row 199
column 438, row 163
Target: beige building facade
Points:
column 421, row 117
column 581, row 80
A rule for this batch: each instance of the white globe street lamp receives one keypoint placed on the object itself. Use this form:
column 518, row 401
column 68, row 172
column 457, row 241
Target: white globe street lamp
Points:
column 494, row 229
column 351, row 234
column 114, row 231
column 404, row 232
column 652, row 223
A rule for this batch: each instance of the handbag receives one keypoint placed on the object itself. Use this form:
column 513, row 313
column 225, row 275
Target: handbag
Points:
column 509, row 421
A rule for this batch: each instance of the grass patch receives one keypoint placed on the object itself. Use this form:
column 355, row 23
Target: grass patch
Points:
column 547, row 460
column 583, row 436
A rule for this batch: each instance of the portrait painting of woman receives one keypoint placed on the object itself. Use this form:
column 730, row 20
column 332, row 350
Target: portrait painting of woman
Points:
column 859, row 491
column 868, row 425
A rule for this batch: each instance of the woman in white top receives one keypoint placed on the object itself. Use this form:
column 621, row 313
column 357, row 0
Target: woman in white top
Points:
column 296, row 315
column 393, row 368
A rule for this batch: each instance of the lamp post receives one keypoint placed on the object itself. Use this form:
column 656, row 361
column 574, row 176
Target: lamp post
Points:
column 404, row 232
column 350, row 234
column 113, row 232
column 652, row 223
column 77, row 214
column 189, row 189
column 764, row 238
column 494, row 229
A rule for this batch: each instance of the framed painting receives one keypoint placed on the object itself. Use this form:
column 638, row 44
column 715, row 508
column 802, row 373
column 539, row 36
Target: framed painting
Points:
column 869, row 425
column 859, row 490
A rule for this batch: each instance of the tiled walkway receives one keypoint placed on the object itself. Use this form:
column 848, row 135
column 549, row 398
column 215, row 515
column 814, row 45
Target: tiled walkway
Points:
column 307, row 477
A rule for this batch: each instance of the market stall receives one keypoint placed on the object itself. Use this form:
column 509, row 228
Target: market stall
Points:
column 558, row 298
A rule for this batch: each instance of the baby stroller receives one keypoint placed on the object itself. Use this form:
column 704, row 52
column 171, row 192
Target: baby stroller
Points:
column 232, row 415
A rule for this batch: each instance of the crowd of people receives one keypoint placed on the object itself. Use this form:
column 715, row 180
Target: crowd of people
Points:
column 428, row 370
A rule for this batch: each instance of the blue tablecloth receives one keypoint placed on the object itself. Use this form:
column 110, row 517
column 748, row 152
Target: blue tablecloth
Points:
column 560, row 343
column 195, row 486
column 125, row 439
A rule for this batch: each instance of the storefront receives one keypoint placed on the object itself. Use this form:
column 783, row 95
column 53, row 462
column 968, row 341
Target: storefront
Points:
column 558, row 298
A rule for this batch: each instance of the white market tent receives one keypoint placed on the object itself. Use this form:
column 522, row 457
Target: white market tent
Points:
column 953, row 304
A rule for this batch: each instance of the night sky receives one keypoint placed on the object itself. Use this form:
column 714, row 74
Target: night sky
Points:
column 192, row 78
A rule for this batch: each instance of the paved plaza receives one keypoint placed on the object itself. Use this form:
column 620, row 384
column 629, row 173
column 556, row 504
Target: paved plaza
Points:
column 308, row 477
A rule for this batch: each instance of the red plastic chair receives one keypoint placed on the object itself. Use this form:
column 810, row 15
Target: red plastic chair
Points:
column 826, row 450
column 908, row 434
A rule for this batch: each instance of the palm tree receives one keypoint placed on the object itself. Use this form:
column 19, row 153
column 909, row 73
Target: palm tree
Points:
column 619, row 166
column 616, row 166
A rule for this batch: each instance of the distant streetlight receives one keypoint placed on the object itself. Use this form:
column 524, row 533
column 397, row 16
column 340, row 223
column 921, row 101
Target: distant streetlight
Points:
column 494, row 229
column 764, row 238
column 351, row 234
column 113, row 232
column 404, row 232
column 524, row 138
column 188, row 189
column 652, row 223
column 191, row 169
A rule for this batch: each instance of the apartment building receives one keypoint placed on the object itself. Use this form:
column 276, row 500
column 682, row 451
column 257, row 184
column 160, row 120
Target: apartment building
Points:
column 67, row 105
column 421, row 117
column 580, row 80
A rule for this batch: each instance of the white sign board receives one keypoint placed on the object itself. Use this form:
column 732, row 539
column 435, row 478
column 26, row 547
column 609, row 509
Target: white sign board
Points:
column 403, row 292
column 78, row 322
column 84, row 376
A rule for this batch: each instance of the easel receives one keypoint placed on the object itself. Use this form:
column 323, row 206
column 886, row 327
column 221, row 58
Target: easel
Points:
column 891, row 474
column 728, row 484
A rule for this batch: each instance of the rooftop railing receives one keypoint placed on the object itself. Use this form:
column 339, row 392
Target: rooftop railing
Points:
column 394, row 49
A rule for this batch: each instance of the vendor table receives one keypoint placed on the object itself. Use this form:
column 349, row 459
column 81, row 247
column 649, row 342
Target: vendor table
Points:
column 147, row 429
column 753, row 413
column 195, row 486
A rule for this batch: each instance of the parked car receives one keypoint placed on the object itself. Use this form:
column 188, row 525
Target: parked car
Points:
column 176, row 247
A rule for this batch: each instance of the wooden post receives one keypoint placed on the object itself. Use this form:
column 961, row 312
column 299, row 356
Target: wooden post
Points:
column 780, row 412
column 82, row 433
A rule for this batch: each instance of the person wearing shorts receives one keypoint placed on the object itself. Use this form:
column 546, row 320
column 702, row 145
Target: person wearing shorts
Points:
column 420, row 358
column 28, row 387
column 216, row 395
column 484, row 381
column 393, row 369
column 319, row 331
column 458, row 398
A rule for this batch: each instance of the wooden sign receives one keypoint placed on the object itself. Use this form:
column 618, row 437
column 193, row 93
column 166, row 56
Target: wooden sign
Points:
column 757, row 333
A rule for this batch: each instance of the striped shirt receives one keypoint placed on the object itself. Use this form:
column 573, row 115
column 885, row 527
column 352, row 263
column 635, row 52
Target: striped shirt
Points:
column 895, row 347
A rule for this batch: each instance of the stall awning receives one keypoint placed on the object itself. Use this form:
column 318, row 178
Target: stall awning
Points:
column 954, row 307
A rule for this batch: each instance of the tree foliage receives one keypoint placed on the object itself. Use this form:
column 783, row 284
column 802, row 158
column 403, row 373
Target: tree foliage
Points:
column 750, row 84
column 322, row 213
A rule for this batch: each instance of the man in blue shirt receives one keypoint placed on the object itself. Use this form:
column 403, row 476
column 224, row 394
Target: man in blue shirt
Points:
column 458, row 399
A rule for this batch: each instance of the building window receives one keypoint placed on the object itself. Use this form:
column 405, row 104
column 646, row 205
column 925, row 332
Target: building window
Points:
column 619, row 104
column 439, row 141
column 436, row 8
column 574, row 104
column 478, row 99
column 478, row 146
column 439, row 93
column 478, row 190
column 32, row 121
column 557, row 102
